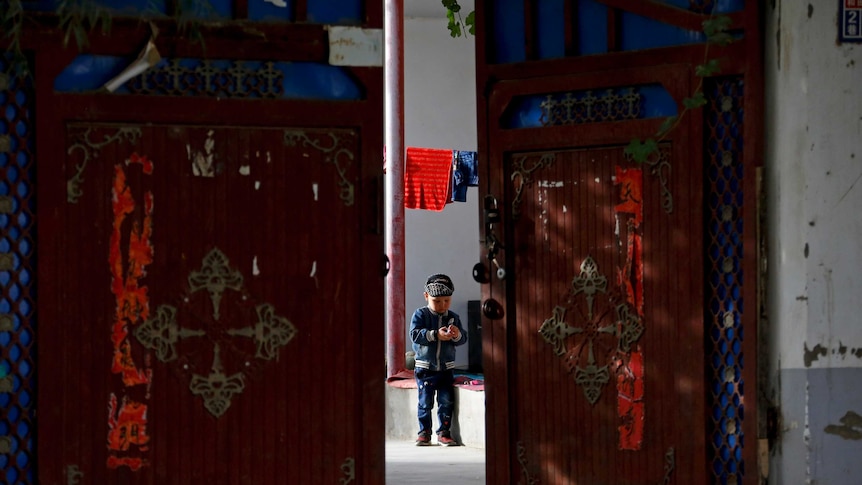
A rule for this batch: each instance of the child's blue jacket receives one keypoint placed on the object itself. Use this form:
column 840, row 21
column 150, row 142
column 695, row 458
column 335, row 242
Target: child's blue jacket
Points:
column 432, row 353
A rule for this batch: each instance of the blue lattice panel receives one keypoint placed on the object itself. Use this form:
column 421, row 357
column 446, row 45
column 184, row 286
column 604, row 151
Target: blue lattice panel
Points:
column 724, row 258
column 17, row 275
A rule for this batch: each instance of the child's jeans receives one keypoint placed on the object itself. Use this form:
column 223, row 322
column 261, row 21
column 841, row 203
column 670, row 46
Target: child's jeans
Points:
column 430, row 382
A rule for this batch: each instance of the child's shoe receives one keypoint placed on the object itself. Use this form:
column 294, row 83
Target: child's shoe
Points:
column 445, row 439
column 424, row 438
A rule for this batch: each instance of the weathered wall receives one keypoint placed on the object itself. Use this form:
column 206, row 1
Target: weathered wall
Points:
column 440, row 112
column 814, row 196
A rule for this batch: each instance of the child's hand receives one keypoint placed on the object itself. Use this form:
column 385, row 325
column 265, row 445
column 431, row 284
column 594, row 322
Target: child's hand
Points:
column 454, row 332
column 444, row 334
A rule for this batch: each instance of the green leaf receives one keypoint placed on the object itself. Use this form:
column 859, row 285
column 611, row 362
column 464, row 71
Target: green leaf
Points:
column 711, row 67
column 196, row 36
column 455, row 29
column 721, row 38
column 80, row 36
column 106, row 23
column 717, row 24
column 64, row 19
column 67, row 33
column 12, row 15
column 451, row 5
column 696, row 101
column 471, row 22
column 453, row 26
column 640, row 151
column 91, row 16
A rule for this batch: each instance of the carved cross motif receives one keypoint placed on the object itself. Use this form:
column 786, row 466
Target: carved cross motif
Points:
column 162, row 333
column 555, row 330
column 270, row 332
column 624, row 326
column 217, row 389
column 216, row 276
column 589, row 282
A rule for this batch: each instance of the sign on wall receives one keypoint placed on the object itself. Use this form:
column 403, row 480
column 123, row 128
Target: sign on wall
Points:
column 849, row 19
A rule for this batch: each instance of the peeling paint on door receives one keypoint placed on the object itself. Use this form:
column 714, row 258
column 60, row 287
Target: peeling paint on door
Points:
column 127, row 425
column 630, row 366
column 127, row 429
column 203, row 161
column 543, row 214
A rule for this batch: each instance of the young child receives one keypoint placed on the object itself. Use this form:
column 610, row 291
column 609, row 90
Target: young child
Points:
column 435, row 332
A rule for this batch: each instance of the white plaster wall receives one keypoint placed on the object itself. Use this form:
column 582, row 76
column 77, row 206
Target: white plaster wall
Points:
column 814, row 165
column 813, row 181
column 440, row 112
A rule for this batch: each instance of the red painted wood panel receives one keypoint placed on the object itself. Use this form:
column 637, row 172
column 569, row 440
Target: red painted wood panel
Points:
column 567, row 214
column 293, row 207
column 270, row 205
column 541, row 427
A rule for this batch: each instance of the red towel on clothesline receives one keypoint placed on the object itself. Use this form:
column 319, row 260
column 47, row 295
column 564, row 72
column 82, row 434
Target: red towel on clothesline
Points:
column 427, row 178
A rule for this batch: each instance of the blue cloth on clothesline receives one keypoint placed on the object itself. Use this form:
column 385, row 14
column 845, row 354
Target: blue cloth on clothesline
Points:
column 465, row 174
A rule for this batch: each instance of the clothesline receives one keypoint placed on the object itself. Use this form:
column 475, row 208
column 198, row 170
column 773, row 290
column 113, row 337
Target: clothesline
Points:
column 436, row 177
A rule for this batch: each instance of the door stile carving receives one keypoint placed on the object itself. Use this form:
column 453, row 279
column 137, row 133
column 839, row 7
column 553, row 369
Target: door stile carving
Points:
column 91, row 149
column 334, row 152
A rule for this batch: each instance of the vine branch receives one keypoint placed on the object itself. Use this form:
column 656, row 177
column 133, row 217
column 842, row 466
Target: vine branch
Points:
column 716, row 30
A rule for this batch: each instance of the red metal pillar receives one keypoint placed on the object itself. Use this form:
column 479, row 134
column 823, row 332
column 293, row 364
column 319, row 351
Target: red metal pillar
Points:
column 393, row 31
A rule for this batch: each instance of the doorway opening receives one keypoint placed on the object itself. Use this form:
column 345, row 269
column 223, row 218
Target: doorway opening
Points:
column 439, row 112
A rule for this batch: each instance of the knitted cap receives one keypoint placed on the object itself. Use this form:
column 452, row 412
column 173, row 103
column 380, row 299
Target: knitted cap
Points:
column 439, row 285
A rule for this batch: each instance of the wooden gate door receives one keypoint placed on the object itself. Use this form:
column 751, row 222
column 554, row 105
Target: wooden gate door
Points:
column 615, row 353
column 211, row 282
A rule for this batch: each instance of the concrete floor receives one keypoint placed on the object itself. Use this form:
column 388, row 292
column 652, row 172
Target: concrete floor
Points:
column 407, row 463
